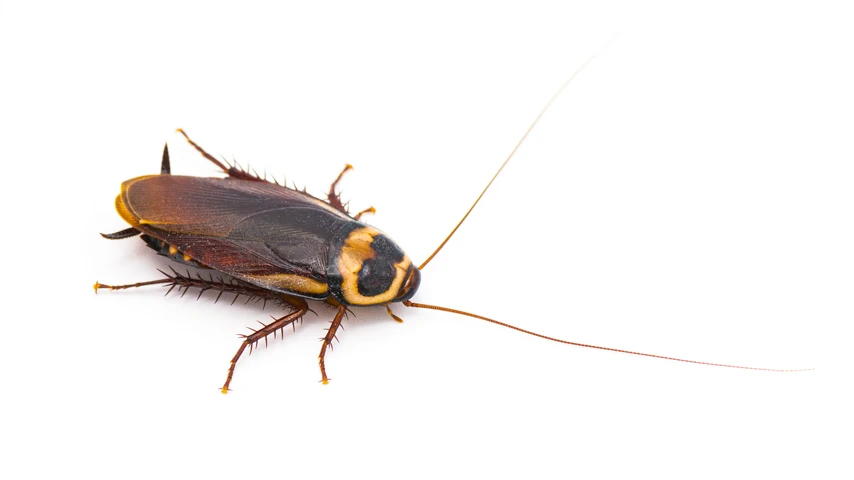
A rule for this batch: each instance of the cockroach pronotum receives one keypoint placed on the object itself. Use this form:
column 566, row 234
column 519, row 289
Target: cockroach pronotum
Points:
column 283, row 245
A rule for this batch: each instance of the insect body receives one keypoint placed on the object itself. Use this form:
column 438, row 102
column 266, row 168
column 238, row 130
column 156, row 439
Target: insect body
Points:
column 279, row 244
column 274, row 238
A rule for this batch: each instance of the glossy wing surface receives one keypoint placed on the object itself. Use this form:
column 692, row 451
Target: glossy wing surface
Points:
column 262, row 233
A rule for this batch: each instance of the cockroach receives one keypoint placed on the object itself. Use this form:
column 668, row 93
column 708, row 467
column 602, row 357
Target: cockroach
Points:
column 283, row 245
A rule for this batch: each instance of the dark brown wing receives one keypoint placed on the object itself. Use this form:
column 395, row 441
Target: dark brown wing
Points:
column 265, row 234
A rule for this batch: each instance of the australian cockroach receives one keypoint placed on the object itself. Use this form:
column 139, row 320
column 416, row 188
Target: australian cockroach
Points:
column 282, row 245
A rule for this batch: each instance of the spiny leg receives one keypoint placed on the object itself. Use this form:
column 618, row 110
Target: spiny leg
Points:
column 263, row 332
column 186, row 282
column 231, row 171
column 327, row 340
column 335, row 197
column 99, row 285
column 203, row 152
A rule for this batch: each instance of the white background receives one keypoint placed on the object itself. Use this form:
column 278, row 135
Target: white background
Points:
column 689, row 195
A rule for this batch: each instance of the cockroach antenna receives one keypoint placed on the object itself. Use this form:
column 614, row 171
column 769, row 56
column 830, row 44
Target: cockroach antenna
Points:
column 410, row 303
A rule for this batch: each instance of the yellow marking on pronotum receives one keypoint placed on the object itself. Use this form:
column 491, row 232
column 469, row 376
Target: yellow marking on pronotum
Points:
column 172, row 250
column 357, row 248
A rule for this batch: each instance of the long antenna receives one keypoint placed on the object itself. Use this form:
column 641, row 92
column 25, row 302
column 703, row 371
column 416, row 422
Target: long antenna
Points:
column 546, row 337
column 542, row 112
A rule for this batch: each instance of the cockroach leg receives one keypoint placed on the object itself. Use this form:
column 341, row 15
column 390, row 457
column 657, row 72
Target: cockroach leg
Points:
column 297, row 303
column 99, row 286
column 335, row 197
column 186, row 282
column 234, row 172
column 203, row 152
column 262, row 333
column 367, row 210
column 327, row 341
column 126, row 233
column 395, row 317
